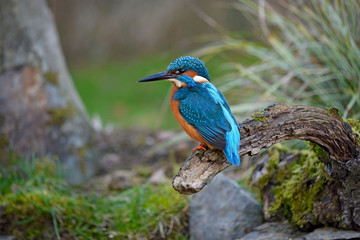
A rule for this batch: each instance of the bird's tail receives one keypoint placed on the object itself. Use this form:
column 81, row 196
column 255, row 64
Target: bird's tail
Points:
column 232, row 156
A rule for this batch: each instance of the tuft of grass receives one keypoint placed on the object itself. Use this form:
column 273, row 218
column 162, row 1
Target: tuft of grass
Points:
column 311, row 55
column 36, row 203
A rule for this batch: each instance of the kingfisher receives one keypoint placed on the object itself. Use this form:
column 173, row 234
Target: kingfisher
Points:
column 200, row 108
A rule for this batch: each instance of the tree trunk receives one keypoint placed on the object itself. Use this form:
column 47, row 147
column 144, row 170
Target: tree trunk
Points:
column 41, row 113
column 341, row 205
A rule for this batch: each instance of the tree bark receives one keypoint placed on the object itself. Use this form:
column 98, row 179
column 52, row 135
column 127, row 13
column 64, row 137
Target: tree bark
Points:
column 41, row 113
column 282, row 122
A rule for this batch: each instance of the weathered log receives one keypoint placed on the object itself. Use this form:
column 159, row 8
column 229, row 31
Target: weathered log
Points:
column 278, row 123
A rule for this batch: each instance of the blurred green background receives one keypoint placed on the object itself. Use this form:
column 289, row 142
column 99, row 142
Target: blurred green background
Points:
column 257, row 55
column 110, row 45
column 111, row 91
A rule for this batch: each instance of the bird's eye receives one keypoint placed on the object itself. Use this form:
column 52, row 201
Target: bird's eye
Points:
column 180, row 71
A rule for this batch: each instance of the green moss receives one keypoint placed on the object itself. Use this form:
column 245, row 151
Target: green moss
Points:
column 297, row 190
column 259, row 116
column 38, row 208
column 333, row 112
column 81, row 153
column 319, row 151
column 4, row 140
column 59, row 115
column 52, row 78
column 37, row 204
column 355, row 127
column 271, row 167
column 296, row 185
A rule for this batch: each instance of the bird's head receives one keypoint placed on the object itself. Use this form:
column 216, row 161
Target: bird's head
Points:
column 183, row 72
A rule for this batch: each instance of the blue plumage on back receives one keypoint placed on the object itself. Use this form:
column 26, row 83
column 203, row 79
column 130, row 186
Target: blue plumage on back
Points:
column 205, row 108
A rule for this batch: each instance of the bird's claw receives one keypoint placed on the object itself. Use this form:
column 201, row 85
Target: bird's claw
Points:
column 201, row 146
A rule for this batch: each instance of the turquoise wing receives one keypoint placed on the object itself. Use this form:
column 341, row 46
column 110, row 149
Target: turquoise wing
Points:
column 207, row 110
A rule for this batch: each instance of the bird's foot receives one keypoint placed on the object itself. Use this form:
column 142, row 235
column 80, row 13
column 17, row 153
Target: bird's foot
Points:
column 201, row 146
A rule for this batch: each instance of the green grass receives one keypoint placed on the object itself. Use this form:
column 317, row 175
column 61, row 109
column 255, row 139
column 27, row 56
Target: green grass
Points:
column 36, row 203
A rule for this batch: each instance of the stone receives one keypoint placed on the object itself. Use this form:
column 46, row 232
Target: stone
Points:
column 110, row 161
column 274, row 230
column 7, row 238
column 121, row 179
column 332, row 234
column 284, row 231
column 223, row 210
column 158, row 176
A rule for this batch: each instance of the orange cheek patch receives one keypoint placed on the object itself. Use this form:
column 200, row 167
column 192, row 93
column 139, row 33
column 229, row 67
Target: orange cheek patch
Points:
column 191, row 73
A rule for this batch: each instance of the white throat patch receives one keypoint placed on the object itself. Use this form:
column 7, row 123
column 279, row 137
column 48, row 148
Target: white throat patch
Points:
column 200, row 79
column 178, row 83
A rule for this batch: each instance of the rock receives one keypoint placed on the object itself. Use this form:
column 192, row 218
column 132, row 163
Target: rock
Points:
column 121, row 179
column 284, row 231
column 110, row 161
column 274, row 230
column 332, row 234
column 158, row 176
column 223, row 210
column 7, row 238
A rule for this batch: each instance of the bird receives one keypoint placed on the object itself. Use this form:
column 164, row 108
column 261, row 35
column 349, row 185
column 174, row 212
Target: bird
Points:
column 200, row 108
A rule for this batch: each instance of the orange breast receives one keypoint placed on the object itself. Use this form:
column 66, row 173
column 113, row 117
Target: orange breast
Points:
column 190, row 130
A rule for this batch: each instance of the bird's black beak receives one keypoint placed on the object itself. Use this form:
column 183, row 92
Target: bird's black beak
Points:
column 158, row 76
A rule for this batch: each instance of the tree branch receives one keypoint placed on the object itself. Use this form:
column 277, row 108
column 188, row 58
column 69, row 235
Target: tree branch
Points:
column 275, row 124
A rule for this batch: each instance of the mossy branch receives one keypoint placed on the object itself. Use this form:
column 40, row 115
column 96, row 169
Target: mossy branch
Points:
column 278, row 123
